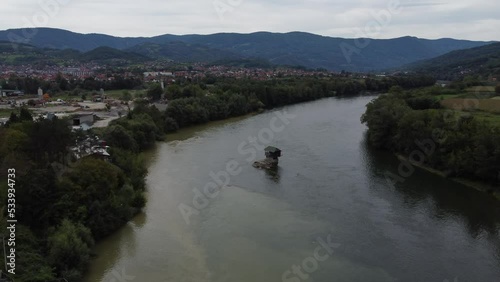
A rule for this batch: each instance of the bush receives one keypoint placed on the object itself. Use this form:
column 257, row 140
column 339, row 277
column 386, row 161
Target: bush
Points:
column 69, row 248
column 155, row 92
column 126, row 96
column 170, row 125
column 423, row 103
column 138, row 201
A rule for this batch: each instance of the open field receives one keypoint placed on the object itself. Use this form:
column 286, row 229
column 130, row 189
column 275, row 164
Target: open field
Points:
column 5, row 112
column 482, row 108
column 489, row 117
column 115, row 94
column 469, row 95
column 487, row 105
column 479, row 89
column 88, row 106
column 450, row 96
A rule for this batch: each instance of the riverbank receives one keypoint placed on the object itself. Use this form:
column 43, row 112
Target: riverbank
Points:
column 188, row 131
column 414, row 121
column 477, row 185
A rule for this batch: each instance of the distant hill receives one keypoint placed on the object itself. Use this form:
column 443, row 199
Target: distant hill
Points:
column 483, row 60
column 25, row 53
column 28, row 54
column 175, row 51
column 182, row 52
column 294, row 48
column 314, row 51
column 62, row 39
column 7, row 47
column 108, row 55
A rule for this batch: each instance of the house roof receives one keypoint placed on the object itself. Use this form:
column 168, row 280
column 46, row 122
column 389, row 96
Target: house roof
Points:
column 272, row 149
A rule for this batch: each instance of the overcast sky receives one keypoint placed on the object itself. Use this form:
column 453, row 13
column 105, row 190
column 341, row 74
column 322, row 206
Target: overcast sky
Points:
column 463, row 19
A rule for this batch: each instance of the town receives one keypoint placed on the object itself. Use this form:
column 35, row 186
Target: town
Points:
column 57, row 94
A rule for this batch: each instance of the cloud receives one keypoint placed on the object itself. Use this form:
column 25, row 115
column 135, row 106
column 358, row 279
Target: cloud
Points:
column 421, row 4
column 430, row 19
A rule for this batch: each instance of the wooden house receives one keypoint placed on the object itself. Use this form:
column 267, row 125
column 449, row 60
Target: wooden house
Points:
column 272, row 152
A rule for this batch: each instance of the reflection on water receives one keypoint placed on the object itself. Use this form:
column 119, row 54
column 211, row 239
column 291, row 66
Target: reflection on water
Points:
column 106, row 265
column 328, row 183
column 479, row 211
column 274, row 173
column 453, row 205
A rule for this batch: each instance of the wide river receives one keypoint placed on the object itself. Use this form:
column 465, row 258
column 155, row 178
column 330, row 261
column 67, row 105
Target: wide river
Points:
column 327, row 214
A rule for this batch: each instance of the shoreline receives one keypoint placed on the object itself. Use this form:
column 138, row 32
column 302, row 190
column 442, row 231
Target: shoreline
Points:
column 188, row 131
column 474, row 184
column 183, row 132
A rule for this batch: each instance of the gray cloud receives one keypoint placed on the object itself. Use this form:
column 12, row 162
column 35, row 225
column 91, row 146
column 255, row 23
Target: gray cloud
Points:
column 428, row 19
column 421, row 4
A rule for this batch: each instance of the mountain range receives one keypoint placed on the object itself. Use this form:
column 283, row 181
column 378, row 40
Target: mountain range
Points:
column 294, row 48
column 484, row 60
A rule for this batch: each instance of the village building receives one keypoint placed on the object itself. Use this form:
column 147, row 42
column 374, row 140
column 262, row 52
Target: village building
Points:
column 91, row 146
column 81, row 119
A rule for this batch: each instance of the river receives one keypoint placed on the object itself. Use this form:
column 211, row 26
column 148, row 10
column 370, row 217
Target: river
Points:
column 327, row 214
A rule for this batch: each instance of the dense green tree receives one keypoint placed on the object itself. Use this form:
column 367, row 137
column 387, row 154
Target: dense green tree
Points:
column 32, row 264
column 69, row 249
column 174, row 91
column 49, row 140
column 382, row 116
column 423, row 103
column 12, row 140
column 126, row 96
column 13, row 118
column 119, row 137
column 170, row 125
column 131, row 165
column 155, row 92
column 36, row 195
column 98, row 198
column 25, row 115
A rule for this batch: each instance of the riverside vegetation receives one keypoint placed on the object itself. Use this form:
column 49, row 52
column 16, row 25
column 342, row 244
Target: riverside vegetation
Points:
column 65, row 205
column 461, row 144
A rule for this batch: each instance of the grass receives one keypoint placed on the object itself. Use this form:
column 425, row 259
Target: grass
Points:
column 450, row 96
column 116, row 94
column 6, row 112
column 486, row 105
column 481, row 101
column 491, row 118
column 10, row 59
column 478, row 89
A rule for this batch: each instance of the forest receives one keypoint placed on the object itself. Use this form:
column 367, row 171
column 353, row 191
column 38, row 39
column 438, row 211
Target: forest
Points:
column 63, row 205
column 217, row 99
